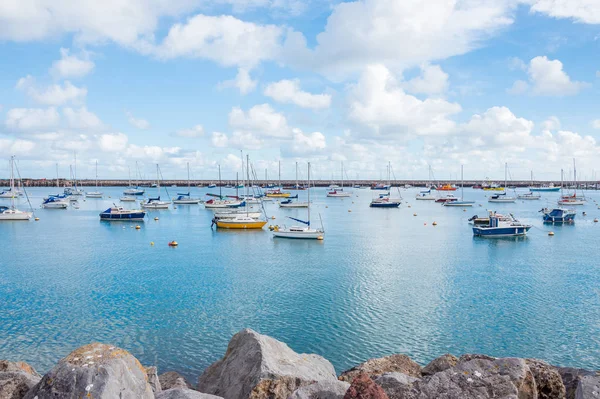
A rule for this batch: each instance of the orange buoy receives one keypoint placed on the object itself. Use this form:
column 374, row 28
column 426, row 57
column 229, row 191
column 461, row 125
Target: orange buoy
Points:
column 173, row 243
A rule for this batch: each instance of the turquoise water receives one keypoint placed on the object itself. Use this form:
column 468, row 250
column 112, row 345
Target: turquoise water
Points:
column 383, row 281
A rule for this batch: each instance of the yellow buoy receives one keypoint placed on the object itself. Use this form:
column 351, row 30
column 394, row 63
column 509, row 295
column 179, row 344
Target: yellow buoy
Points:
column 37, row 219
column 173, row 244
column 273, row 217
column 434, row 223
column 551, row 233
column 156, row 218
column 320, row 238
column 137, row 227
column 151, row 243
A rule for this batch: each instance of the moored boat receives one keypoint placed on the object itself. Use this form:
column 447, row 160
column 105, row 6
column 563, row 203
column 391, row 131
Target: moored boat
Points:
column 447, row 187
column 11, row 213
column 558, row 215
column 447, row 198
column 293, row 204
column 529, row 196
column 117, row 213
column 501, row 228
column 127, row 198
column 55, row 202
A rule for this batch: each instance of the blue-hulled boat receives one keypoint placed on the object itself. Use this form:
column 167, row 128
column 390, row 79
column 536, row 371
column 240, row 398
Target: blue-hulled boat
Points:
column 501, row 228
column 117, row 213
column 385, row 202
column 558, row 215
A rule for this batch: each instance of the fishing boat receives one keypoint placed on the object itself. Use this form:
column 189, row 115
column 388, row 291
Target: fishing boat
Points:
column 293, row 204
column 212, row 185
column 338, row 192
column 461, row 202
column 156, row 203
column 304, row 231
column 502, row 197
column 241, row 220
column 186, row 198
column 558, row 215
column 117, row 213
column 55, row 202
column 95, row 194
column 447, row 187
column 545, row 188
column 572, row 199
column 447, row 198
column 134, row 189
column 385, row 200
column 477, row 220
column 501, row 228
column 380, row 186
column 11, row 212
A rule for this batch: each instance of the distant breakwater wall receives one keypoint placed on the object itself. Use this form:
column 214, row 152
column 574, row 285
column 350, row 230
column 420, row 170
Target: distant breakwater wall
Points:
column 256, row 366
column 286, row 183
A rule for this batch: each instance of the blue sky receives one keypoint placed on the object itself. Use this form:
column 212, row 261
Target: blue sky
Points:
column 478, row 83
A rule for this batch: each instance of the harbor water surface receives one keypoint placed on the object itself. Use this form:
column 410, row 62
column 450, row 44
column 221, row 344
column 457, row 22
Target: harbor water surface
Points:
column 383, row 281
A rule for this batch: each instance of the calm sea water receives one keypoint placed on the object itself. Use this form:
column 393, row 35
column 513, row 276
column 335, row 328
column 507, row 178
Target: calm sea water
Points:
column 383, row 281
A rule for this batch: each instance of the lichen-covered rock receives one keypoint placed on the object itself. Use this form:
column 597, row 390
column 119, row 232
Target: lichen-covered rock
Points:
column 172, row 379
column 389, row 364
column 322, row 390
column 570, row 377
column 547, row 380
column 504, row 378
column 152, row 375
column 472, row 356
column 96, row 371
column 397, row 385
column 441, row 363
column 16, row 378
column 588, row 387
column 182, row 393
column 264, row 367
column 363, row 387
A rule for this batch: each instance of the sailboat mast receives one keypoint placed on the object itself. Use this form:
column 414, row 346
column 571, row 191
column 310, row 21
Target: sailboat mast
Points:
column 296, row 175
column 505, row 174
column 220, row 189
column 280, row 174
column 75, row 171
column 12, row 182
column 157, row 181
column 309, row 195
column 575, row 176
column 462, row 184
column 96, row 175
column 57, row 184
column 188, row 168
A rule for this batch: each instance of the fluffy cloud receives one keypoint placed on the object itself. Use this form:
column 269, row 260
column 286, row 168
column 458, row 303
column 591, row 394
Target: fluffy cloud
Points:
column 378, row 101
column 289, row 91
column 243, row 82
column 586, row 11
column 32, row 118
column 596, row 124
column 547, row 78
column 137, row 122
column 16, row 147
column 305, row 144
column 433, row 80
column 113, row 142
column 224, row 39
column 71, row 66
column 52, row 95
column 261, row 120
column 193, row 133
column 219, row 139
column 81, row 118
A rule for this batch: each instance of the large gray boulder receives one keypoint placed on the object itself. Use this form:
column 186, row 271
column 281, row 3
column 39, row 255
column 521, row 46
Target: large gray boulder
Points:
column 96, row 371
column 389, row 364
column 572, row 380
column 322, row 390
column 172, row 379
column 504, row 378
column 397, row 385
column 441, row 363
column 547, row 380
column 16, row 378
column 588, row 387
column 152, row 375
column 258, row 366
column 182, row 393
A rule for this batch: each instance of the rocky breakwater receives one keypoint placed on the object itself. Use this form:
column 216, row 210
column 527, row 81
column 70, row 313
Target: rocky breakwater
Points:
column 256, row 366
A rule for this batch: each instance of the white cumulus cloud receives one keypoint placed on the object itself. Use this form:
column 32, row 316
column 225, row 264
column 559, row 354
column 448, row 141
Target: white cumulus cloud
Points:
column 243, row 82
column 547, row 78
column 32, row 118
column 289, row 91
column 433, row 80
column 81, row 118
column 261, row 120
column 71, row 66
column 137, row 122
column 55, row 94
column 192, row 133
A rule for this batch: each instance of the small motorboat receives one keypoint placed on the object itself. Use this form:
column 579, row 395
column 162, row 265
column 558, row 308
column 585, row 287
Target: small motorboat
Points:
column 558, row 215
column 212, row 185
column 155, row 203
column 117, row 213
column 447, row 198
column 185, row 199
column 380, row 186
column 127, row 198
column 501, row 198
column 134, row 191
column 11, row 213
column 277, row 193
column 55, row 202
column 339, row 194
column 385, row 202
column 447, row 187
column 529, row 196
column 501, row 228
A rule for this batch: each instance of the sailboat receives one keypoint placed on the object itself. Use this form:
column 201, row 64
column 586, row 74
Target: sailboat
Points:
column 134, row 190
column 288, row 203
column 221, row 203
column 385, row 200
column 12, row 213
column 185, row 198
column 502, row 197
column 74, row 191
column 530, row 195
column 461, row 201
column 95, row 194
column 425, row 195
column 571, row 199
column 241, row 221
column 12, row 192
column 277, row 193
column 156, row 203
column 339, row 192
column 305, row 231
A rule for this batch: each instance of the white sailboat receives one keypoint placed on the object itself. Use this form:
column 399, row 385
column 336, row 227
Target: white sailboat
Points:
column 95, row 194
column 302, row 232
column 573, row 199
column 339, row 192
column 74, row 191
column 462, row 201
column 134, row 190
column 425, row 195
column 502, row 197
column 12, row 213
column 529, row 196
column 221, row 203
column 156, row 203
column 185, row 198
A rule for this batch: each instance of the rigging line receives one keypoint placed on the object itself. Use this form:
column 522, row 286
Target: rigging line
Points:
column 26, row 195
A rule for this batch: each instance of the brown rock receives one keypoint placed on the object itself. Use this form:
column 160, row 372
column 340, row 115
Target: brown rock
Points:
column 471, row 356
column 547, row 380
column 363, row 387
column 276, row 389
column 172, row 379
column 389, row 364
column 442, row 363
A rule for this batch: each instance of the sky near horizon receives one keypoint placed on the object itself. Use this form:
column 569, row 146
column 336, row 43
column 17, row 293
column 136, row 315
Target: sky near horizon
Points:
column 440, row 82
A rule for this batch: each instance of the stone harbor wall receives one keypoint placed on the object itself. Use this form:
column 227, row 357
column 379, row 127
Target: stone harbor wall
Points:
column 256, row 366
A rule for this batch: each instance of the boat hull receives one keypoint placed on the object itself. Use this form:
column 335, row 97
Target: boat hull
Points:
column 545, row 189
column 294, row 205
column 575, row 202
column 15, row 215
column 425, row 198
column 127, row 199
column 156, row 206
column 226, row 224
column 502, row 200
column 498, row 232
column 55, row 205
column 307, row 234
column 339, row 195
column 187, row 202
column 132, row 217
column 283, row 195
column 384, row 204
column 458, row 203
